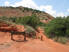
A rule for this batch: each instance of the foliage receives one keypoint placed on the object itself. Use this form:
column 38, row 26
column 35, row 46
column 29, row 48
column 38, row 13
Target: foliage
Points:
column 13, row 19
column 30, row 31
column 41, row 24
column 58, row 27
column 29, row 20
column 32, row 21
column 4, row 19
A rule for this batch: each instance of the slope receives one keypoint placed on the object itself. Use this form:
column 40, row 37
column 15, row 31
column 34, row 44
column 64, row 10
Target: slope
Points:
column 32, row 45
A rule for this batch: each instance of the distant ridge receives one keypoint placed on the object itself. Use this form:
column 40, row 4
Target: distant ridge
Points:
column 23, row 11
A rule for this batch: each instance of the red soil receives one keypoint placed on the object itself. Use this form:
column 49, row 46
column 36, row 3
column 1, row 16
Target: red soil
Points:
column 32, row 45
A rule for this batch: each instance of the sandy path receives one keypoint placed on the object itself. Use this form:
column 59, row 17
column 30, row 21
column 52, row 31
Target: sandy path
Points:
column 32, row 45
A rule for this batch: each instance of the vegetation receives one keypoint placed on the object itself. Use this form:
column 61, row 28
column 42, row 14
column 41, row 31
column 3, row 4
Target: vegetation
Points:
column 22, row 12
column 30, row 23
column 30, row 31
column 58, row 29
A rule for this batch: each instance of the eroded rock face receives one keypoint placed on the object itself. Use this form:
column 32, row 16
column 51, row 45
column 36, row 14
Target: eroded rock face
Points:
column 36, row 45
column 20, row 28
column 40, row 34
column 8, row 29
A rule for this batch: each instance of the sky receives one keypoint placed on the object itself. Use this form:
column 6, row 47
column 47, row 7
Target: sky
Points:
column 53, row 7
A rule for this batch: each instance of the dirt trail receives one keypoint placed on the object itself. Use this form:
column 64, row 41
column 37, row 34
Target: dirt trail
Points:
column 32, row 45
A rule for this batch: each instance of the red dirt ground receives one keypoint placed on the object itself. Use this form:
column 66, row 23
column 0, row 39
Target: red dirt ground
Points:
column 32, row 45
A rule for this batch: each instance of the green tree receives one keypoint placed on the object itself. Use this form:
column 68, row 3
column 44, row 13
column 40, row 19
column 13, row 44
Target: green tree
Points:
column 67, row 26
column 56, row 28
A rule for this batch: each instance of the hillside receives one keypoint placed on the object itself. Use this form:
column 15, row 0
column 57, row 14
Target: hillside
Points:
column 23, row 11
column 22, row 30
column 32, row 45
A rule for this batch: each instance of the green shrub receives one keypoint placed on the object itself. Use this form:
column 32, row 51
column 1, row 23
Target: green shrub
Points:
column 58, row 28
column 30, row 30
column 62, row 40
column 32, row 21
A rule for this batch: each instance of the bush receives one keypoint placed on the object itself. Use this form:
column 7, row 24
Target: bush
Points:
column 32, row 21
column 62, row 40
column 30, row 31
column 58, row 27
